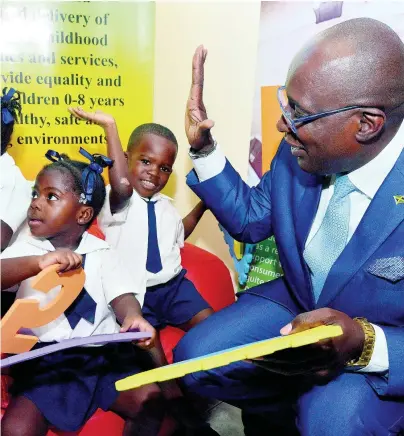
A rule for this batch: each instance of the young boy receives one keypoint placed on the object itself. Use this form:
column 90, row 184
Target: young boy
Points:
column 143, row 225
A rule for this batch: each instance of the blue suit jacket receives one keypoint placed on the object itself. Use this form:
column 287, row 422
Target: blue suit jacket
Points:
column 284, row 204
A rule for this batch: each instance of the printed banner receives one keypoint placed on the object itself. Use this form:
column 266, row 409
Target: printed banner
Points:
column 284, row 28
column 99, row 55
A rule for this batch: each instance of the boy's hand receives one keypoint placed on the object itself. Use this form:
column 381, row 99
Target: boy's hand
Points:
column 97, row 117
column 67, row 260
column 197, row 124
column 137, row 322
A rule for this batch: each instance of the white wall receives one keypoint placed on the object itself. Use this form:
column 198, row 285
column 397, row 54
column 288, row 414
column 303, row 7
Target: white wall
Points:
column 287, row 25
column 229, row 30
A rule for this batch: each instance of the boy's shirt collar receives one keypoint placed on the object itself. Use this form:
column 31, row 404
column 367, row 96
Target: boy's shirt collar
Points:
column 156, row 197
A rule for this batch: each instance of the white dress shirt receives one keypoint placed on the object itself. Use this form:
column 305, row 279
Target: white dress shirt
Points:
column 106, row 279
column 127, row 231
column 367, row 180
column 15, row 193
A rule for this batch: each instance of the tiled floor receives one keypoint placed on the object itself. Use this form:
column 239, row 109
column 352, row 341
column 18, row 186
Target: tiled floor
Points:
column 226, row 420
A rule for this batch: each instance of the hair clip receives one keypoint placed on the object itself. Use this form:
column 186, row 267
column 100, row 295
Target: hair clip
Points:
column 89, row 177
column 83, row 199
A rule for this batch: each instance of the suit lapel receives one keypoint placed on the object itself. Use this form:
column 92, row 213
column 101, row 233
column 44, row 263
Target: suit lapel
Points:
column 304, row 213
column 381, row 218
column 306, row 210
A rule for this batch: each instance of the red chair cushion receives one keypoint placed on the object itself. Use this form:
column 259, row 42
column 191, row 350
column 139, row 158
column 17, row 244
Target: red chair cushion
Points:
column 210, row 276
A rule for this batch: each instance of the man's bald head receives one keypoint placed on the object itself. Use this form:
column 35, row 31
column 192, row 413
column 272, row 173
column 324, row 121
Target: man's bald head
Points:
column 357, row 64
column 360, row 60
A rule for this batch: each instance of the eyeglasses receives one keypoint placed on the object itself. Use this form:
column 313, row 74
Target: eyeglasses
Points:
column 294, row 123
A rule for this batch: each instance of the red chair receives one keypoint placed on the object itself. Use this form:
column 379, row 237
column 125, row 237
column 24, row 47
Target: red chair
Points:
column 212, row 279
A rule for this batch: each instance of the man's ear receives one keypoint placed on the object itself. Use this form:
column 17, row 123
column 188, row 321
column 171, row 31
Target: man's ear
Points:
column 371, row 121
column 85, row 215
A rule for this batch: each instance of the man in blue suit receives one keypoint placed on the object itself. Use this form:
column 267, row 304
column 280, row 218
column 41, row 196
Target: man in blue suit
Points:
column 334, row 199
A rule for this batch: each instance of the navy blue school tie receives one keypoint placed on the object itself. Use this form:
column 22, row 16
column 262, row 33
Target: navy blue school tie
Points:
column 82, row 307
column 153, row 262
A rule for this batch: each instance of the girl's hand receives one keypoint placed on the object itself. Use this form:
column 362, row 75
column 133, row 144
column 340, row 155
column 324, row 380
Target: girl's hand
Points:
column 98, row 117
column 137, row 322
column 67, row 260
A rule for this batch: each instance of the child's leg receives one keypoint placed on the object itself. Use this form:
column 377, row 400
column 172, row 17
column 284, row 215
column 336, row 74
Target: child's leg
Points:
column 23, row 418
column 169, row 388
column 179, row 407
column 177, row 303
column 143, row 410
column 199, row 317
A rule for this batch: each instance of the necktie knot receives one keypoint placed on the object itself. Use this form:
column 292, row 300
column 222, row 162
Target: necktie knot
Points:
column 343, row 187
column 150, row 205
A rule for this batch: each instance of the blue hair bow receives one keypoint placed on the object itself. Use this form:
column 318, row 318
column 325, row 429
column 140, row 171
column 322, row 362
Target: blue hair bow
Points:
column 89, row 177
column 53, row 156
column 6, row 115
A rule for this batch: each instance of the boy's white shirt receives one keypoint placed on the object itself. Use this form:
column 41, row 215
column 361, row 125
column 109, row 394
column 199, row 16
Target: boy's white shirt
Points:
column 127, row 232
column 106, row 279
column 15, row 193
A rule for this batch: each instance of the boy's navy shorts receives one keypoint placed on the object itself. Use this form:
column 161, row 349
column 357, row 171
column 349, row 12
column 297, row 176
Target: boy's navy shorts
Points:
column 172, row 303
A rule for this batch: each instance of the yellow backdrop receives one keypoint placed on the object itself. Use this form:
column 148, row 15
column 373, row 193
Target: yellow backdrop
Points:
column 99, row 55
column 270, row 114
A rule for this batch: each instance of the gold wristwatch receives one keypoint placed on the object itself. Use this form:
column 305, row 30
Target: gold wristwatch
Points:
column 368, row 345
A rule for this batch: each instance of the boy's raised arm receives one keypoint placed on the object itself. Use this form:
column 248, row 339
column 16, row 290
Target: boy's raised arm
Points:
column 121, row 189
column 193, row 218
column 6, row 235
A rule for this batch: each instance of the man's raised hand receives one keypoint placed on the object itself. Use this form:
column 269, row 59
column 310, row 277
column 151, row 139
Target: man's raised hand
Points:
column 197, row 124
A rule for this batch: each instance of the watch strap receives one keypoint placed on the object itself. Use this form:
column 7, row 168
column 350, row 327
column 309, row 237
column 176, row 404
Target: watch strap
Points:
column 204, row 152
column 368, row 345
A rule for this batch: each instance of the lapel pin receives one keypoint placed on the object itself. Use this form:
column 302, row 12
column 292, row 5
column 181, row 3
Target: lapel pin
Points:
column 399, row 199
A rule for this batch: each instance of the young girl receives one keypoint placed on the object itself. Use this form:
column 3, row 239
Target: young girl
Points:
column 15, row 191
column 65, row 388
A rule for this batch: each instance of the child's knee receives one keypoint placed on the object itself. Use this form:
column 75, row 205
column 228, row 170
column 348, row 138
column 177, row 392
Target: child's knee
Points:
column 147, row 399
column 13, row 426
column 199, row 317
column 150, row 394
column 23, row 418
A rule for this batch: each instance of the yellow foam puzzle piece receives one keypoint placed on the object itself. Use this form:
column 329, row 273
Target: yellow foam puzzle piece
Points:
column 222, row 358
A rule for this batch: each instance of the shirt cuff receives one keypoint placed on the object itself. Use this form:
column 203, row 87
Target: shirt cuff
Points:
column 210, row 166
column 380, row 357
